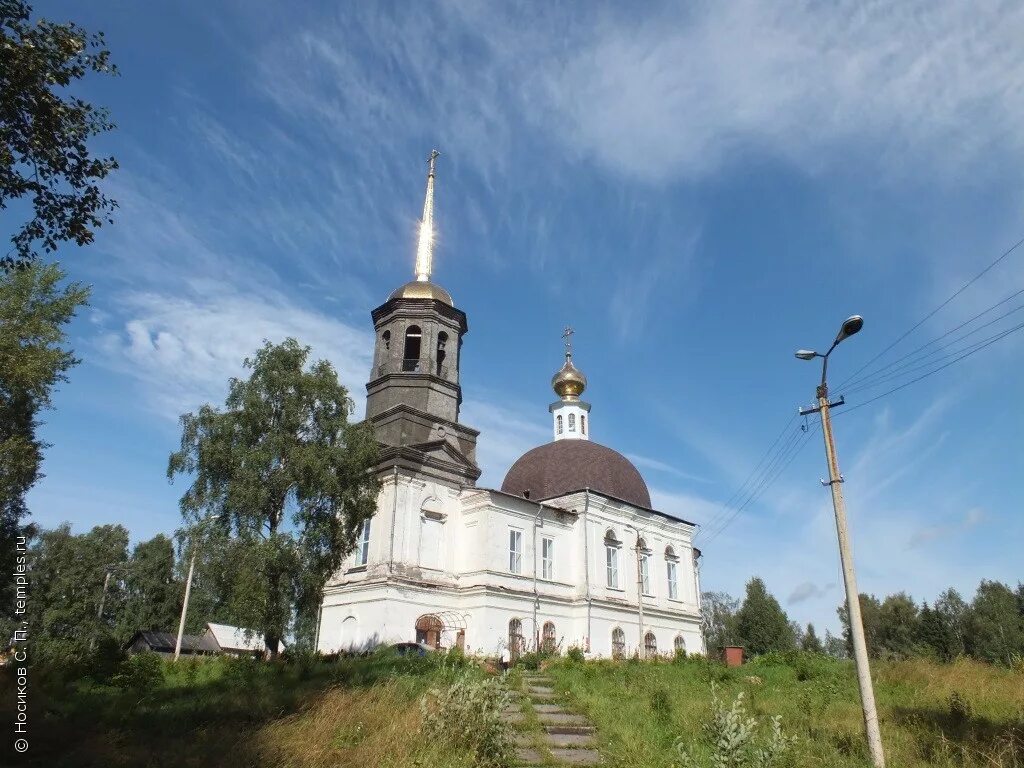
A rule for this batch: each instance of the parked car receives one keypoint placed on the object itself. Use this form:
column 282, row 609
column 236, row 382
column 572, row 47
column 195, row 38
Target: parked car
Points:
column 411, row 649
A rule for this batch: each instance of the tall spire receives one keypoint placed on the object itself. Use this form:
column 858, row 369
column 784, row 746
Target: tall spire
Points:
column 425, row 247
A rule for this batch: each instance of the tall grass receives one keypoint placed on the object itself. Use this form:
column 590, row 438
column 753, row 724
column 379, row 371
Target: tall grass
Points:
column 962, row 714
column 241, row 712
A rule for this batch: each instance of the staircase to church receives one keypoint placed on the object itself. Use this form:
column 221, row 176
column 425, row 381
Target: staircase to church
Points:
column 546, row 733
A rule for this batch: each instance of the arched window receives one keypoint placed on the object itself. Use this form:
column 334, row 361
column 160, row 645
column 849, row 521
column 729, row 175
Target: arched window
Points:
column 572, row 422
column 386, row 338
column 515, row 639
column 583, row 424
column 442, row 342
column 363, row 544
column 618, row 643
column 548, row 637
column 411, row 355
column 650, row 645
column 558, row 420
column 672, row 573
column 680, row 645
column 611, row 554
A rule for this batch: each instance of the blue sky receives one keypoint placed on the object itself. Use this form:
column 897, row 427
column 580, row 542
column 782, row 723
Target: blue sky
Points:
column 698, row 189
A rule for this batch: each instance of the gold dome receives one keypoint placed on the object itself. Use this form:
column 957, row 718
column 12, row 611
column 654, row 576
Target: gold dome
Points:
column 569, row 382
column 423, row 289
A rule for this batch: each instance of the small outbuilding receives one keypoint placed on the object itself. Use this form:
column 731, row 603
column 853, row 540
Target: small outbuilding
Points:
column 163, row 643
column 235, row 641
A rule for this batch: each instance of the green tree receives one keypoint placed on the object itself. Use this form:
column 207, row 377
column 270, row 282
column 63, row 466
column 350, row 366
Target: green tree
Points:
column 935, row 636
column 898, row 629
column 870, row 612
column 954, row 612
column 34, row 311
column 288, row 478
column 66, row 575
column 995, row 630
column 719, row 612
column 761, row 623
column 152, row 593
column 810, row 641
column 835, row 646
column 45, row 130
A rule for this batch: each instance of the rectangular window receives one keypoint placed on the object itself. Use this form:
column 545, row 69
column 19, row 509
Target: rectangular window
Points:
column 515, row 551
column 645, row 574
column 673, row 588
column 612, row 560
column 547, row 559
column 572, row 422
column 363, row 545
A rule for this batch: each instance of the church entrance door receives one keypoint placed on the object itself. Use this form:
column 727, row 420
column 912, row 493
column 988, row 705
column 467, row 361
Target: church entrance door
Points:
column 428, row 630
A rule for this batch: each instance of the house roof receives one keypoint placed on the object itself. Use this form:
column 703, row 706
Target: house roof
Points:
column 165, row 642
column 230, row 638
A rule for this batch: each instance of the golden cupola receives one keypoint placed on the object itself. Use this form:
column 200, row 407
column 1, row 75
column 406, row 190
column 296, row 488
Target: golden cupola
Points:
column 569, row 382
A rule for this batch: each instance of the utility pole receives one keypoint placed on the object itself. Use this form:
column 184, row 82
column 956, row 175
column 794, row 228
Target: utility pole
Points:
column 188, row 585
column 860, row 651
column 184, row 604
column 99, row 613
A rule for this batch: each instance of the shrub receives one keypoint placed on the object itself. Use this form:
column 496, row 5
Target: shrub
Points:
column 530, row 660
column 575, row 654
column 467, row 715
column 141, row 673
column 734, row 739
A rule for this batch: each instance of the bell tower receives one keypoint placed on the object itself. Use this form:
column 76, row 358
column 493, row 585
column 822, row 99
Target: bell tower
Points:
column 413, row 395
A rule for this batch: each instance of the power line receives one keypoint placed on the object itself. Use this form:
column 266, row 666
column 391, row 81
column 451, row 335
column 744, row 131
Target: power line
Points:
column 856, row 382
column 918, row 365
column 927, row 317
column 783, row 459
column 977, row 348
column 758, row 478
column 736, row 494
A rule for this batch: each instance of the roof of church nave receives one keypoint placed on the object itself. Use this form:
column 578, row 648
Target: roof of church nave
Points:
column 567, row 466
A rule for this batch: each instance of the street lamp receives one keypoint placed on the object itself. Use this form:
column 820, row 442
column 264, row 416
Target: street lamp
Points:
column 188, row 584
column 867, row 694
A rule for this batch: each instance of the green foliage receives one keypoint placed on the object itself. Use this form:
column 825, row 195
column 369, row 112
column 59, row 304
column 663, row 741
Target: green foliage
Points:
column 761, row 624
column 871, row 618
column 152, row 593
column 67, row 572
column 34, row 312
column 810, row 642
column 735, row 741
column 141, row 673
column 898, row 626
column 719, row 612
column 288, row 479
column 575, row 653
column 467, row 714
column 44, row 131
column 995, row 624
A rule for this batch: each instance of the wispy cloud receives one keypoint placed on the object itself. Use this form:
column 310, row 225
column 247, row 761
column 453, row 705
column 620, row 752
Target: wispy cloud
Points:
column 806, row 590
column 184, row 349
column 927, row 533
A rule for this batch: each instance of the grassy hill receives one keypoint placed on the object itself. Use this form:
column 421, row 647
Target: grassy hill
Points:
column 960, row 714
column 366, row 712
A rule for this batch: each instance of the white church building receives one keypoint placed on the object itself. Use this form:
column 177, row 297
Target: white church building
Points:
column 568, row 552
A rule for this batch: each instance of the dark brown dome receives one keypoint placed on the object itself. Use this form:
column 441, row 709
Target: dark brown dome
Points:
column 565, row 466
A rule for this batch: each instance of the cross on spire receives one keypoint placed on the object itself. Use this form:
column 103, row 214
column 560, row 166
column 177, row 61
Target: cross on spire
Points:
column 567, row 335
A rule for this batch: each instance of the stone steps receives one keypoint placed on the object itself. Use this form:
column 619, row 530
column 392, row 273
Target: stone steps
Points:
column 567, row 738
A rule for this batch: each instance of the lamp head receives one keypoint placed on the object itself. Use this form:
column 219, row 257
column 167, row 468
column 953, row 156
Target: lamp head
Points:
column 806, row 354
column 850, row 326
